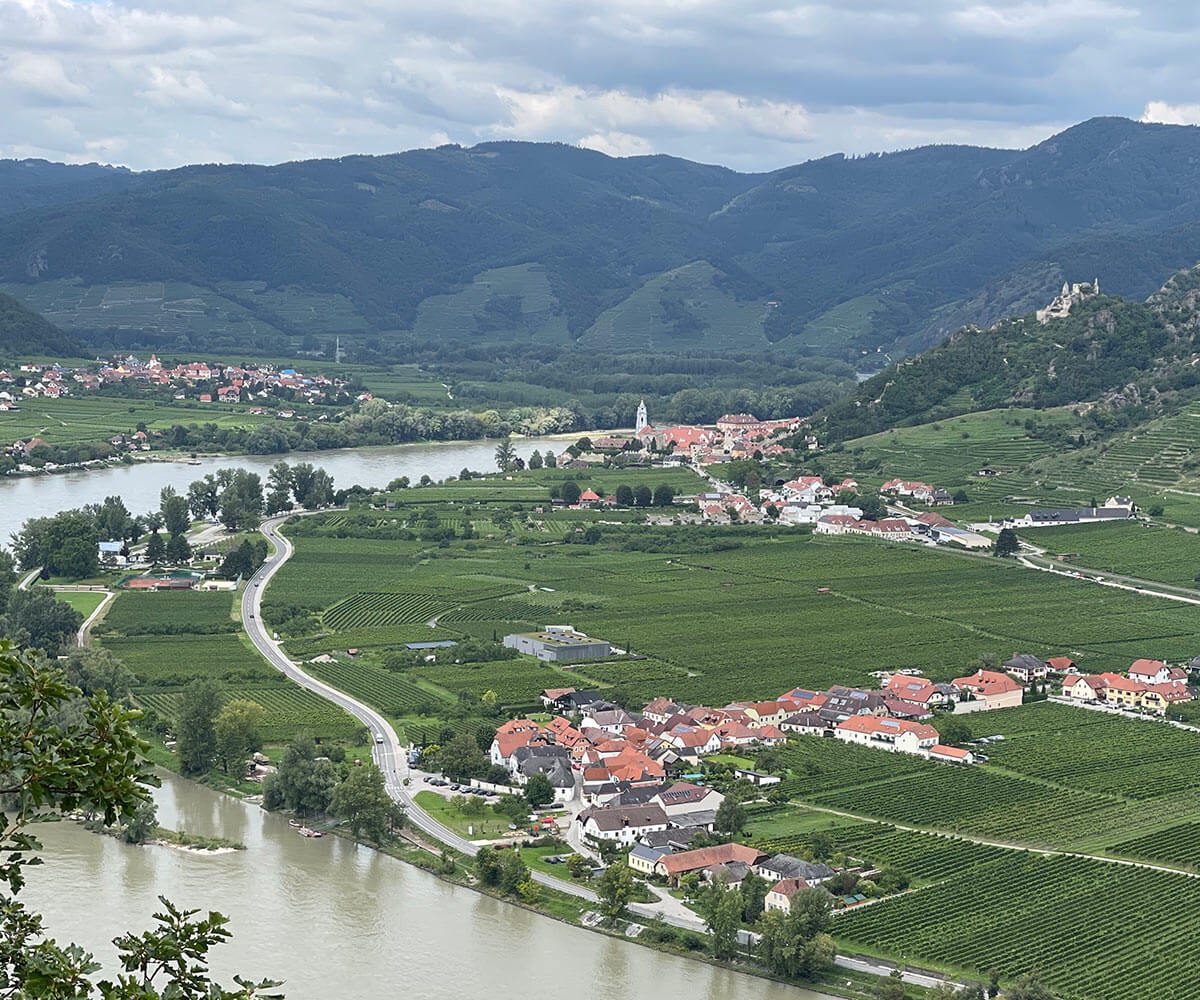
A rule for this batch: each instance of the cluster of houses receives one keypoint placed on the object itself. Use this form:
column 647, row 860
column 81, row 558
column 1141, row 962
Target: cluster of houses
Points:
column 930, row 528
column 734, row 436
column 218, row 382
column 1148, row 686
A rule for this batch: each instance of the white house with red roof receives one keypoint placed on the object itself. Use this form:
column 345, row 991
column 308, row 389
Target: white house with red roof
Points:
column 1149, row 672
column 951, row 755
column 886, row 733
column 990, row 690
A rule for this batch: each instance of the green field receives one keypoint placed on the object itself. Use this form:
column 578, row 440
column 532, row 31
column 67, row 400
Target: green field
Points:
column 1166, row 555
column 83, row 601
column 720, row 613
column 290, row 711
column 170, row 612
column 94, row 419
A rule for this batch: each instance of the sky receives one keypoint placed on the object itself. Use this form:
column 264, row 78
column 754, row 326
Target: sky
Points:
column 751, row 84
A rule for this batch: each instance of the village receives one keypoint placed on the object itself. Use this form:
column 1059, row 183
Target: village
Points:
column 637, row 784
column 218, row 382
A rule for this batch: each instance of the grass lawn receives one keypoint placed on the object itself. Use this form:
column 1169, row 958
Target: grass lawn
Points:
column 83, row 601
column 793, row 820
column 481, row 827
column 535, row 857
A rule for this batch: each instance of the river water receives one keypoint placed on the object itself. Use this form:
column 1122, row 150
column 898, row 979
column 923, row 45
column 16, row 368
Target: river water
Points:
column 332, row 919
column 335, row 920
column 139, row 485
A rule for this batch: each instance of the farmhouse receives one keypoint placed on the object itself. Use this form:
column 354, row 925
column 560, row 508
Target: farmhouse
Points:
column 781, row 866
column 1149, row 672
column 558, row 642
column 991, row 690
column 1080, row 515
column 622, row 824
column 684, row 797
column 1078, row 687
column 951, row 755
column 675, row 866
column 1026, row 667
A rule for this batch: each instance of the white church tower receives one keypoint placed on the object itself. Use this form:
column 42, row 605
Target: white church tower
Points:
column 643, row 420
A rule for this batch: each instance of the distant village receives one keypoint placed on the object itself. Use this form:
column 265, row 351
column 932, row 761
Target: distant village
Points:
column 638, row 775
column 198, row 380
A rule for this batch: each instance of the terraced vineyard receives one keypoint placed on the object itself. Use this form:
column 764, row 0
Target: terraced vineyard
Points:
column 1058, row 915
column 368, row 609
column 1176, row 845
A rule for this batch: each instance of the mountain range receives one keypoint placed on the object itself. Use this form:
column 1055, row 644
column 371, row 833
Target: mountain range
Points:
column 453, row 248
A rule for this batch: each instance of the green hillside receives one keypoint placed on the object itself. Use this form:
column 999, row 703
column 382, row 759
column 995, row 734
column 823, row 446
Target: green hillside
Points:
column 23, row 332
column 443, row 251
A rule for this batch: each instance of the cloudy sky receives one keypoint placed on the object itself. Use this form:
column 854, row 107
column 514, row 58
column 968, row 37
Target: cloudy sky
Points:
column 753, row 84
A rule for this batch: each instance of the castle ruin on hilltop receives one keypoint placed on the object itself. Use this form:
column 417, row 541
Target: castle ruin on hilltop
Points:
column 1070, row 295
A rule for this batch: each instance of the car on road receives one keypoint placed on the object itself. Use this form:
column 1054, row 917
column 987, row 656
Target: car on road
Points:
column 379, row 737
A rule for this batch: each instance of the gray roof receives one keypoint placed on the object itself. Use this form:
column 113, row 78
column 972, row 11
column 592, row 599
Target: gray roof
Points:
column 680, row 840
column 650, row 854
column 618, row 817
column 695, row 820
column 791, row 867
column 555, row 768
column 1025, row 661
column 635, row 795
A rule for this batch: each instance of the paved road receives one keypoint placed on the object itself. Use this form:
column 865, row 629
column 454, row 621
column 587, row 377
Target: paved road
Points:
column 393, row 762
column 389, row 755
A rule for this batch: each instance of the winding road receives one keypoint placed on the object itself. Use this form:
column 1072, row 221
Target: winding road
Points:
column 392, row 760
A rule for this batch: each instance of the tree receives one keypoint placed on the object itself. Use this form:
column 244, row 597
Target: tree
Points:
column 1007, row 543
column 624, row 495
column 796, row 943
column 664, row 495
column 891, row 988
column 236, row 733
column 571, row 493
column 461, row 758
column 615, row 889
column 63, row 753
column 538, row 790
column 196, row 738
column 753, row 891
column 535, row 460
column 178, row 549
column 142, row 825
column 361, row 799
column 724, row 922
column 549, row 459
column 954, row 730
column 37, row 619
column 155, row 549
column 302, row 783
column 871, row 505
column 578, row 865
column 241, row 499
column 506, row 455
column 175, row 512
column 513, row 872
column 730, row 818
column 279, row 488
column 642, row 496
column 93, row 669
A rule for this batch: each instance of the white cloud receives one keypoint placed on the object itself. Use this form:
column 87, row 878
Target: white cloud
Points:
column 1171, row 114
column 754, row 84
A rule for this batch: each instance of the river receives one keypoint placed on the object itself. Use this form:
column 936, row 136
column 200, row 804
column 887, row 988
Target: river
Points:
column 139, row 484
column 334, row 919
column 329, row 917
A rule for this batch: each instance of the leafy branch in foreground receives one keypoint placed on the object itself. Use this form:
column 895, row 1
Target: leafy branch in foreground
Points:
column 61, row 753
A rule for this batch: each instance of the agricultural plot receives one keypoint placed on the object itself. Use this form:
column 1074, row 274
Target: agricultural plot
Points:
column 1055, row 914
column 1176, row 845
column 516, row 683
column 819, row 765
column 371, row 609
column 291, row 711
column 169, row 612
column 1167, row 555
column 740, row 623
column 163, row 661
column 83, row 601
column 1092, row 751
column 390, row 692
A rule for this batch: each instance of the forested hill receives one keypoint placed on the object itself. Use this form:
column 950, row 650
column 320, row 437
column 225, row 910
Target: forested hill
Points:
column 23, row 332
column 453, row 249
column 1135, row 359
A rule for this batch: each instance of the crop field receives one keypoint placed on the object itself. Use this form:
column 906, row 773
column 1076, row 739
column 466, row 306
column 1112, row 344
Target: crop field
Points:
column 515, row 682
column 1092, row 751
column 370, row 609
column 1058, row 915
column 1167, row 555
column 94, row 419
column 740, row 623
column 390, row 692
column 290, row 711
column 169, row 612
column 923, row 856
column 1176, row 845
column 173, row 660
column 819, row 765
